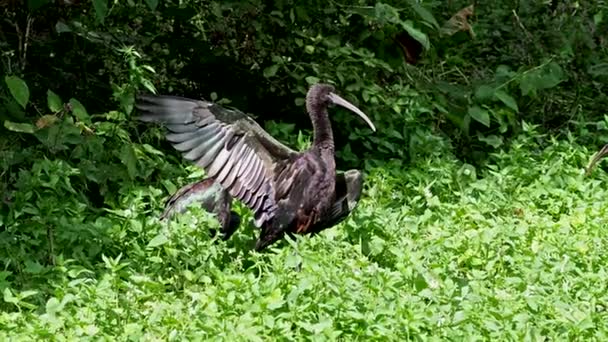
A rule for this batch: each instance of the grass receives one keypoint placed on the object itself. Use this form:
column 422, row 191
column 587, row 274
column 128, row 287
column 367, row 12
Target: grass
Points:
column 436, row 251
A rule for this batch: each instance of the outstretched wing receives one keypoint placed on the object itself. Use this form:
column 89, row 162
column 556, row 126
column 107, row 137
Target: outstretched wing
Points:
column 231, row 147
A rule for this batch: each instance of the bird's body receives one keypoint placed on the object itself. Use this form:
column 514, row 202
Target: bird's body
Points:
column 214, row 199
column 288, row 191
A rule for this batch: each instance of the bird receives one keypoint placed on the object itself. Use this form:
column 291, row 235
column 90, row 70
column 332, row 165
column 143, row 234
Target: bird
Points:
column 212, row 197
column 288, row 191
column 218, row 201
column 597, row 157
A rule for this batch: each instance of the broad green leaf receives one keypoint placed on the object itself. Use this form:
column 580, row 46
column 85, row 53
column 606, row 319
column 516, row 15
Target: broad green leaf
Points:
column 386, row 14
column 152, row 4
column 309, row 49
column 158, row 240
column 53, row 101
column 148, row 85
column 19, row 127
column 62, row 27
column 79, row 111
column 480, row 115
column 484, row 92
column 507, row 99
column 19, row 89
column 127, row 157
column 101, row 9
column 416, row 34
column 425, row 14
column 492, row 140
column 271, row 70
column 9, row 297
column 312, row 80
column 53, row 305
column 598, row 18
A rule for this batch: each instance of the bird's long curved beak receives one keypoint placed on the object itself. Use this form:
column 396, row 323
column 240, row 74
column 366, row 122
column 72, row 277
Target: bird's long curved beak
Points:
column 599, row 155
column 342, row 102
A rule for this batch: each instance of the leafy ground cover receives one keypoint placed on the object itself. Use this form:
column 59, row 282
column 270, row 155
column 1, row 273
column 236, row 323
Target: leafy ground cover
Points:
column 475, row 224
column 438, row 250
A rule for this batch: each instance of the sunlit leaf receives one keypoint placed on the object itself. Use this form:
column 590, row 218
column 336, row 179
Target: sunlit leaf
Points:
column 312, row 80
column 418, row 35
column 19, row 127
column 19, row 89
column 479, row 114
column 53, row 101
column 271, row 70
column 79, row 111
column 507, row 99
column 127, row 157
column 158, row 240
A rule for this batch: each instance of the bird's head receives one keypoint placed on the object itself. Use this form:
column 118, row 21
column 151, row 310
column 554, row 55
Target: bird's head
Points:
column 321, row 96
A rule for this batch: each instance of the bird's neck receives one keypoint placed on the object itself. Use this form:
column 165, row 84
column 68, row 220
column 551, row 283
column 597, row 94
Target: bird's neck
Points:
column 323, row 142
column 323, row 135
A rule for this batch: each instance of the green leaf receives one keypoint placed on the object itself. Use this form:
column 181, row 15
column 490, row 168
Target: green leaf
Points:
column 148, row 85
column 480, row 115
column 416, row 34
column 425, row 14
column 312, row 80
column 492, row 140
column 54, row 101
column 484, row 92
column 309, row 49
column 53, row 305
column 19, row 127
column 79, row 111
column 271, row 70
column 598, row 18
column 101, row 9
column 62, row 27
column 127, row 157
column 507, row 99
column 158, row 240
column 19, row 89
column 386, row 13
column 9, row 297
column 152, row 4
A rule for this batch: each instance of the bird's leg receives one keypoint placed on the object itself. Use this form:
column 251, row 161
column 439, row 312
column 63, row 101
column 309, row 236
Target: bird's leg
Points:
column 270, row 234
column 233, row 223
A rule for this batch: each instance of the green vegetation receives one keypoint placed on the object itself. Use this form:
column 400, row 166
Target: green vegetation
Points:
column 477, row 221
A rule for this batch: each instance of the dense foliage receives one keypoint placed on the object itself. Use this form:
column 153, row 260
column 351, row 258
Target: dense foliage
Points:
column 476, row 220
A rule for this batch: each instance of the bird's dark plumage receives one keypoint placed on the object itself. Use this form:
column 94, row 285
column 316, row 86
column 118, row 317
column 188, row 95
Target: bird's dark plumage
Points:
column 215, row 199
column 287, row 190
column 212, row 197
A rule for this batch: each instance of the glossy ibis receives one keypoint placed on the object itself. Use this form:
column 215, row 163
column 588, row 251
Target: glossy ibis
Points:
column 217, row 200
column 288, row 191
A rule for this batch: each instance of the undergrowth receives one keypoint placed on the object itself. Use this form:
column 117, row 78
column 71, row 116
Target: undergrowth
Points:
column 439, row 250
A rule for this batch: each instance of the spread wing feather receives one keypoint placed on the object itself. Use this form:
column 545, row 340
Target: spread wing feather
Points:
column 231, row 147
